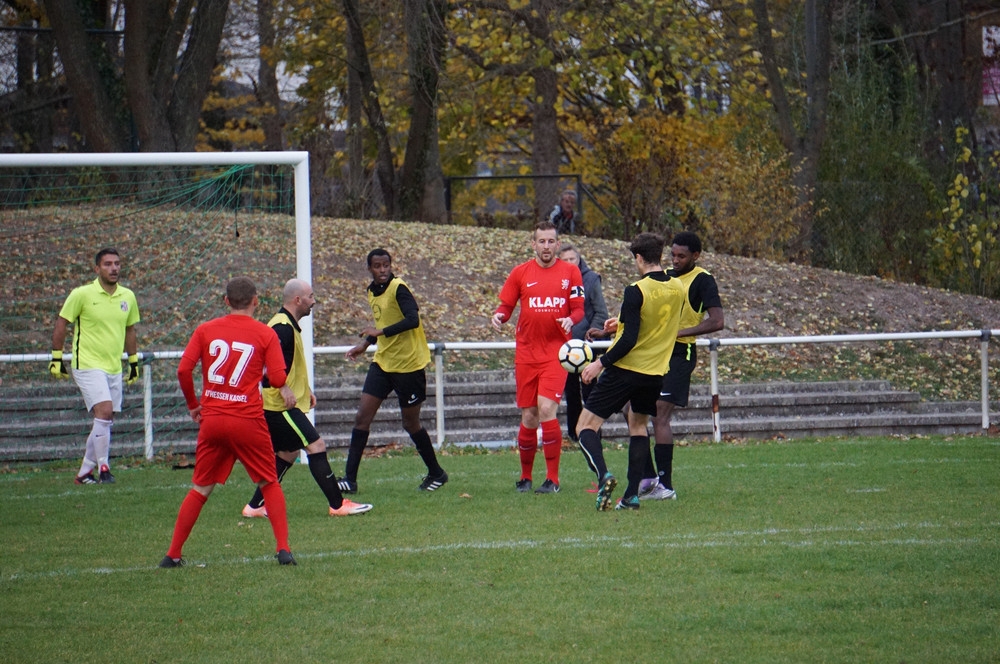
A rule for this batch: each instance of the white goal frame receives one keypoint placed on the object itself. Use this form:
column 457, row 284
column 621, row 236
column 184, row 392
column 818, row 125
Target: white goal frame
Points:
column 299, row 160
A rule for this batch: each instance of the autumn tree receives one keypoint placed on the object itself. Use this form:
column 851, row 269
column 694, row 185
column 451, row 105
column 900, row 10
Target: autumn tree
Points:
column 864, row 97
column 946, row 48
column 624, row 79
column 267, row 83
column 30, row 104
column 372, row 62
column 168, row 50
column 522, row 40
column 656, row 81
column 421, row 184
column 802, row 130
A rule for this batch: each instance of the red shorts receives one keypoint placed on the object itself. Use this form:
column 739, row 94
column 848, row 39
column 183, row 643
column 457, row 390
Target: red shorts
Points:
column 539, row 380
column 223, row 439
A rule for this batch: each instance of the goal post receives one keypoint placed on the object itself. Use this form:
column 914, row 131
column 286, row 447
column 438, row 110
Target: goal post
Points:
column 215, row 189
column 299, row 160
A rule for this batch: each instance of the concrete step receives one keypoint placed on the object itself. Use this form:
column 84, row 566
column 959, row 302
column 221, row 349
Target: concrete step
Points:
column 47, row 420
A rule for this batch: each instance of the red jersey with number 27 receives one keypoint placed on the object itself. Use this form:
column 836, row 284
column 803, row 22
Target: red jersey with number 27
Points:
column 545, row 294
column 234, row 352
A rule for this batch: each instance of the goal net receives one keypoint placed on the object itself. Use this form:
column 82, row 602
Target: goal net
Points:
column 183, row 224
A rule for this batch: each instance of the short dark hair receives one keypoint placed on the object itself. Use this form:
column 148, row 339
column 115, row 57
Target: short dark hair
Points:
column 378, row 252
column 240, row 291
column 649, row 246
column 104, row 252
column 689, row 240
column 545, row 225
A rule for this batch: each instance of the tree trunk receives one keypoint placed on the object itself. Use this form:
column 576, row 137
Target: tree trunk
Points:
column 357, row 59
column 545, row 141
column 271, row 122
column 432, row 206
column 22, row 121
column 144, row 46
column 93, row 101
column 355, row 140
column 167, row 86
column 197, row 63
column 169, row 54
column 805, row 146
column 425, row 36
column 947, row 56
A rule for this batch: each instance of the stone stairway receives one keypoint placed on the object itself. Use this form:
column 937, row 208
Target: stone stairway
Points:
column 48, row 421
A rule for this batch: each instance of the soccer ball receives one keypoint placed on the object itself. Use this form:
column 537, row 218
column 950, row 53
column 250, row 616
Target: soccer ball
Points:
column 575, row 354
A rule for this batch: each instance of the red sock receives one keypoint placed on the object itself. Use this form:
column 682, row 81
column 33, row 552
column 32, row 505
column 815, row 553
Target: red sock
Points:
column 274, row 498
column 552, row 448
column 186, row 518
column 527, row 446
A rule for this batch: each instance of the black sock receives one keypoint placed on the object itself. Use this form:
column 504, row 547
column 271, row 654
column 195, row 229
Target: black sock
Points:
column 319, row 466
column 649, row 470
column 590, row 443
column 638, row 457
column 359, row 439
column 665, row 462
column 425, row 448
column 258, row 499
column 281, row 467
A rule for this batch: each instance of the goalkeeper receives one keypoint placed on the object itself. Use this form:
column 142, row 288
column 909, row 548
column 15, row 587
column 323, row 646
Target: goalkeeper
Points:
column 103, row 314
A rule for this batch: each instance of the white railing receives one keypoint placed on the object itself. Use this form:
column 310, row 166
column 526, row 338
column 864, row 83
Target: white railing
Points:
column 438, row 350
column 983, row 335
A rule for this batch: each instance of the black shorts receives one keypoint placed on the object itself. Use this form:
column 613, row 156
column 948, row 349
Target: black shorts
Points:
column 290, row 430
column 617, row 387
column 410, row 387
column 677, row 383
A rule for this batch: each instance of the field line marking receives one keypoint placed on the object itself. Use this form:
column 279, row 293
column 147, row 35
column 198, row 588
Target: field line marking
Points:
column 769, row 537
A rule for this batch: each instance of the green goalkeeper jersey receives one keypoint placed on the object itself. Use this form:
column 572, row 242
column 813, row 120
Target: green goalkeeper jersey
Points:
column 99, row 322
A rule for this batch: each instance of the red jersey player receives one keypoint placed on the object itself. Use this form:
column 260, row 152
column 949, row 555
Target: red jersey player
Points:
column 550, row 292
column 234, row 352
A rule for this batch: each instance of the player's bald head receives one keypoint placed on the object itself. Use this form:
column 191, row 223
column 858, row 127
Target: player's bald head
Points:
column 295, row 288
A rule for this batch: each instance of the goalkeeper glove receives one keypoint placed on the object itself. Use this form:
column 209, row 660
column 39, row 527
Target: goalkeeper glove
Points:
column 133, row 369
column 56, row 366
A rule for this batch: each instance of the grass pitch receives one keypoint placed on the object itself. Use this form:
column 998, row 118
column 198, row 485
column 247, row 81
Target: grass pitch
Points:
column 842, row 550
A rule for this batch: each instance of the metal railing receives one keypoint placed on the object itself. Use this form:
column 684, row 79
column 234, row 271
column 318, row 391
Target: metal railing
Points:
column 438, row 349
column 983, row 335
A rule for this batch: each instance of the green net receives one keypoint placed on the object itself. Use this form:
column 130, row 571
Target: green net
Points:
column 182, row 232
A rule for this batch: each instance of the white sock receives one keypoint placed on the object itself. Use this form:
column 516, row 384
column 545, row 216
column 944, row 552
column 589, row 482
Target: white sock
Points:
column 88, row 463
column 100, row 442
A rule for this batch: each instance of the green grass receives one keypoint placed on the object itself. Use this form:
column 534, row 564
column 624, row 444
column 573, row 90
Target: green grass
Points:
column 835, row 550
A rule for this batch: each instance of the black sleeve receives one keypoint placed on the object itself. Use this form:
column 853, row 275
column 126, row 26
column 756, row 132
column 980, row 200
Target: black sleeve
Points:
column 704, row 293
column 286, row 335
column 411, row 315
column 629, row 317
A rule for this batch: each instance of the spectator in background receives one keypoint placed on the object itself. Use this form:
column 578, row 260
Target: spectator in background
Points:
column 563, row 216
column 595, row 312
